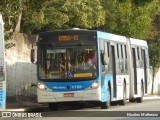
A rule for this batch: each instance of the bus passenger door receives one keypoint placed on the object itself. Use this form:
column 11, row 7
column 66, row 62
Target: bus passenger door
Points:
column 114, row 70
column 135, row 70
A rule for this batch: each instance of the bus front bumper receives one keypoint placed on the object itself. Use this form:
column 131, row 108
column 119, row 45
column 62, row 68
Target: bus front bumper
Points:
column 69, row 96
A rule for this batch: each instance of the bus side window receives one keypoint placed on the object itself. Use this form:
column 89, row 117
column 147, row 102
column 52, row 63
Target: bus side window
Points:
column 119, row 59
column 107, row 53
column 117, row 51
column 107, row 49
column 123, row 59
column 141, row 57
column 122, row 51
column 138, row 56
column 125, row 51
column 1, row 71
column 142, row 54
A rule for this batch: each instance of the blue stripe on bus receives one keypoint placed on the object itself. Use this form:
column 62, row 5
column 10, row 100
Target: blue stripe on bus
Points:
column 68, row 86
column 2, row 98
column 107, row 78
column 103, row 35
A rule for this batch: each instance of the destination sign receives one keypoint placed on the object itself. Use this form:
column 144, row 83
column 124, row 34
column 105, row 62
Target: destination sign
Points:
column 68, row 37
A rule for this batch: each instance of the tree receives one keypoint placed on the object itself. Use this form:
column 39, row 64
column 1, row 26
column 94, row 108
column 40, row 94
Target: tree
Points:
column 134, row 18
column 84, row 13
column 153, row 36
column 154, row 55
column 32, row 16
column 128, row 17
column 61, row 14
column 10, row 11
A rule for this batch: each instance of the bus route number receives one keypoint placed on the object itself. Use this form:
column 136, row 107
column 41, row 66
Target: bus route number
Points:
column 67, row 37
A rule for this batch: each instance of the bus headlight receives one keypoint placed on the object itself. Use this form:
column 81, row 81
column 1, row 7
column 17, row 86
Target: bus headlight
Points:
column 41, row 86
column 94, row 85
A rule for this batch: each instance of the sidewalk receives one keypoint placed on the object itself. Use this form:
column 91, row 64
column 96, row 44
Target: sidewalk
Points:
column 24, row 107
column 151, row 97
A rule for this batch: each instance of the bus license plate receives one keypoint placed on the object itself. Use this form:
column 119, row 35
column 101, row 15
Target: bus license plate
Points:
column 68, row 94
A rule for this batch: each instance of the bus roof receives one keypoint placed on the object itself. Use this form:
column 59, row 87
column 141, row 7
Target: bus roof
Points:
column 67, row 31
column 138, row 42
column 104, row 35
column 117, row 38
column 112, row 37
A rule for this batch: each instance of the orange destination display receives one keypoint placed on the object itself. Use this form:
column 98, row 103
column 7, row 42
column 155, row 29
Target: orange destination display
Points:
column 67, row 37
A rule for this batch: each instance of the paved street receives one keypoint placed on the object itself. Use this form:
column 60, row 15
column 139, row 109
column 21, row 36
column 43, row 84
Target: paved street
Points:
column 149, row 107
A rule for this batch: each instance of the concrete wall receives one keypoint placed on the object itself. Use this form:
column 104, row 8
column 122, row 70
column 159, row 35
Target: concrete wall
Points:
column 156, row 89
column 20, row 71
column 157, row 83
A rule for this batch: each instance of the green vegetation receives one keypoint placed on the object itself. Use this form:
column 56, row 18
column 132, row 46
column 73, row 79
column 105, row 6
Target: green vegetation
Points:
column 132, row 18
column 127, row 18
column 154, row 52
column 70, row 13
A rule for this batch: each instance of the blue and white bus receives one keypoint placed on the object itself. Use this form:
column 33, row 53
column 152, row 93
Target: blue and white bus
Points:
column 89, row 65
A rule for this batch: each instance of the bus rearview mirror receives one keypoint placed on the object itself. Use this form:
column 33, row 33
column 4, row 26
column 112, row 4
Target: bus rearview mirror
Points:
column 32, row 55
column 104, row 58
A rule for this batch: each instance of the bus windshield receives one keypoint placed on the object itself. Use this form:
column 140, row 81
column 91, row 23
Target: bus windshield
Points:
column 67, row 63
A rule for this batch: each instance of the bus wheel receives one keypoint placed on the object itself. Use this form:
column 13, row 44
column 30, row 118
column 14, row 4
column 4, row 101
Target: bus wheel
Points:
column 53, row 106
column 132, row 100
column 123, row 101
column 140, row 99
column 105, row 105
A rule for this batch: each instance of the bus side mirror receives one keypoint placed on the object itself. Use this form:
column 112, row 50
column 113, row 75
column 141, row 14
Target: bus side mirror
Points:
column 32, row 55
column 104, row 58
column 33, row 85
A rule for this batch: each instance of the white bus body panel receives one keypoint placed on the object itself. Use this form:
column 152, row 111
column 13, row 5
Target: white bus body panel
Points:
column 120, row 85
column 83, row 95
column 138, row 42
column 140, row 77
column 140, row 71
column 117, row 38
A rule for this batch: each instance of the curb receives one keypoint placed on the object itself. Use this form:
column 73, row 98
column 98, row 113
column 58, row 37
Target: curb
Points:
column 147, row 97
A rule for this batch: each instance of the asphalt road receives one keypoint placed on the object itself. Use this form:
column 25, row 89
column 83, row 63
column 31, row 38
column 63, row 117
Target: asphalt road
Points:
column 148, row 106
column 149, row 109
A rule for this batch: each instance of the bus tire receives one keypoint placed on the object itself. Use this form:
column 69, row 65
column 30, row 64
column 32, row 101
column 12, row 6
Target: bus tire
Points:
column 140, row 99
column 132, row 100
column 123, row 101
column 106, row 105
column 53, row 106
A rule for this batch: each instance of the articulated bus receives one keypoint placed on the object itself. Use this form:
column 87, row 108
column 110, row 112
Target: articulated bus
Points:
column 89, row 65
